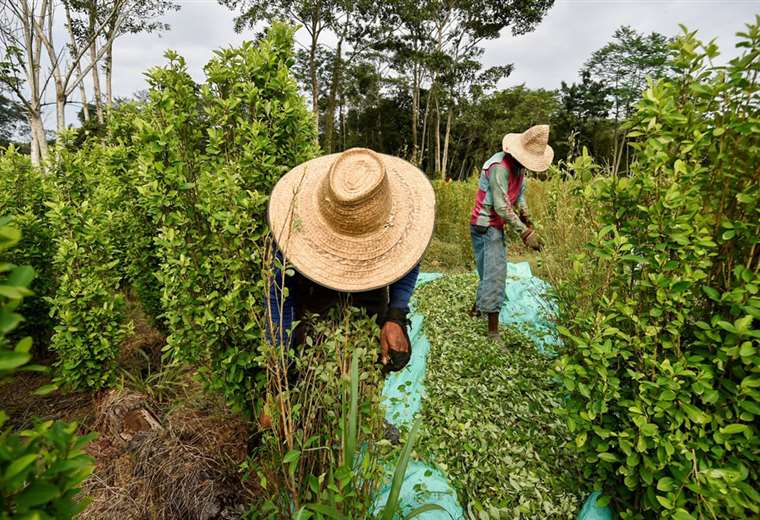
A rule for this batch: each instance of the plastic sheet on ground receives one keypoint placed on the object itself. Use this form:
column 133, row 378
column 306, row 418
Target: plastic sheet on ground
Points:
column 423, row 484
column 527, row 309
column 402, row 398
column 403, row 390
column 591, row 511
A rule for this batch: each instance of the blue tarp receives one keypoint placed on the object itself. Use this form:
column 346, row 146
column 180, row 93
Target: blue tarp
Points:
column 402, row 398
column 528, row 310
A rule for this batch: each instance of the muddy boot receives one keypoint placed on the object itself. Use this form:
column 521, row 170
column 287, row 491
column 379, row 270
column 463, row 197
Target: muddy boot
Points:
column 493, row 326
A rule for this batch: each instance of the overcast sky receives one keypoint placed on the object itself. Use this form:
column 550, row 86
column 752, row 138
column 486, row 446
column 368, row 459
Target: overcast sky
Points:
column 554, row 52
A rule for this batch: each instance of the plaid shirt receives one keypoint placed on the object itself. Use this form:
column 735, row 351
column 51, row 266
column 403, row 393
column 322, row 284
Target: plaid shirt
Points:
column 501, row 188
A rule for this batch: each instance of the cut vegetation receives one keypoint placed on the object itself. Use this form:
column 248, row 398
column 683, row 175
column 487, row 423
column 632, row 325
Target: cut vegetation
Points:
column 490, row 413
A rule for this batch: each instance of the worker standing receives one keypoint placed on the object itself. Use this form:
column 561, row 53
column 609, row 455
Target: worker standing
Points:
column 501, row 201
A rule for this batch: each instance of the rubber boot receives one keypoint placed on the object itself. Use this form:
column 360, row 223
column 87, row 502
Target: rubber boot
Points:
column 493, row 326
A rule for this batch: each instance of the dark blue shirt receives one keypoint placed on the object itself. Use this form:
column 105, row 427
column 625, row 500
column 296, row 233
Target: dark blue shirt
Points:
column 399, row 292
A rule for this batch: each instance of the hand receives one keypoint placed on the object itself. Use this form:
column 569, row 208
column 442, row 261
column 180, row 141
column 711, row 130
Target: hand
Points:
column 531, row 239
column 526, row 219
column 392, row 338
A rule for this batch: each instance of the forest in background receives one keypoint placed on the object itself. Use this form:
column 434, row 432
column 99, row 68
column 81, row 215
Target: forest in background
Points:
column 404, row 78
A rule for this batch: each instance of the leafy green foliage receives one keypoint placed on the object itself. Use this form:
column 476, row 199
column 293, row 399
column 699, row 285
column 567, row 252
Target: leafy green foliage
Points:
column 22, row 196
column 450, row 248
column 14, row 287
column 137, row 229
column 483, row 123
column 87, row 214
column 209, row 156
column 549, row 201
column 12, row 119
column 662, row 366
column 40, row 468
column 339, row 499
column 490, row 413
column 326, row 441
column 582, row 120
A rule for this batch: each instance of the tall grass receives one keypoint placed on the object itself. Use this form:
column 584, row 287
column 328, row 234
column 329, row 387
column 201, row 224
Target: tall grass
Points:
column 450, row 248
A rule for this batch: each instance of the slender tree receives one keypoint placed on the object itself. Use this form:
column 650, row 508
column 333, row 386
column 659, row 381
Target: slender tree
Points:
column 623, row 66
column 65, row 60
column 142, row 17
column 22, row 65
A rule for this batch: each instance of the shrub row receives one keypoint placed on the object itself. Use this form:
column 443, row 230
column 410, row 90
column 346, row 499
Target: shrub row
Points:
column 662, row 364
column 168, row 208
column 41, row 467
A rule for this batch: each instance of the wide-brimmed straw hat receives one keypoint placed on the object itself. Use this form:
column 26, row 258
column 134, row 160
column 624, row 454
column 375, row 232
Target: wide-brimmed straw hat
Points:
column 531, row 147
column 353, row 221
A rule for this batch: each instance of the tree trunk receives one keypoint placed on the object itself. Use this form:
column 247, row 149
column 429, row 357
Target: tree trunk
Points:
column 415, row 114
column 109, row 74
column 461, row 168
column 35, row 146
column 96, row 87
column 437, row 138
column 444, row 166
column 83, row 96
column 38, row 135
column 60, row 107
column 332, row 101
column 75, row 48
column 314, row 81
column 342, row 119
column 465, row 158
column 95, row 76
column 423, row 141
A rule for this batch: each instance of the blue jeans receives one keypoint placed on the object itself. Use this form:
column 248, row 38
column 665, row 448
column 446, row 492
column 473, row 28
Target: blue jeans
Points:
column 489, row 247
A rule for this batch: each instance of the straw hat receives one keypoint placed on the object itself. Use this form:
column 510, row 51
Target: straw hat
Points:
column 531, row 147
column 353, row 221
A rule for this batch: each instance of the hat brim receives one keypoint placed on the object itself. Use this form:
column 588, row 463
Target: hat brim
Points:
column 352, row 263
column 534, row 162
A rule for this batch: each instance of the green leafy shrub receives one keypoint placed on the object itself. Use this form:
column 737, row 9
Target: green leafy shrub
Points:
column 325, row 448
column 137, row 229
column 450, row 247
column 662, row 369
column 88, row 216
column 22, row 196
column 40, row 468
column 210, row 155
column 563, row 203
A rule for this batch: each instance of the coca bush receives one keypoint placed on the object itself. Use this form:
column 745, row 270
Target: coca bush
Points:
column 662, row 369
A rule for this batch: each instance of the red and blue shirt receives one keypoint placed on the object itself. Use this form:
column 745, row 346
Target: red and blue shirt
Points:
column 500, row 190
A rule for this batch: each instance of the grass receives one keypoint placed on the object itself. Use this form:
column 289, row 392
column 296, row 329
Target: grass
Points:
column 490, row 413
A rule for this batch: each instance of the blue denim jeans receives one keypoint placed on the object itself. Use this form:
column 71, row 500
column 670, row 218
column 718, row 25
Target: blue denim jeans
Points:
column 490, row 250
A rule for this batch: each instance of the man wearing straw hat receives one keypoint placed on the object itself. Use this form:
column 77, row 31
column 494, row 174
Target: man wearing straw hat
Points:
column 354, row 226
column 501, row 201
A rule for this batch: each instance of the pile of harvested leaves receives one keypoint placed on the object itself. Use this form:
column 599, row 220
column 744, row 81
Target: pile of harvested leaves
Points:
column 490, row 413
